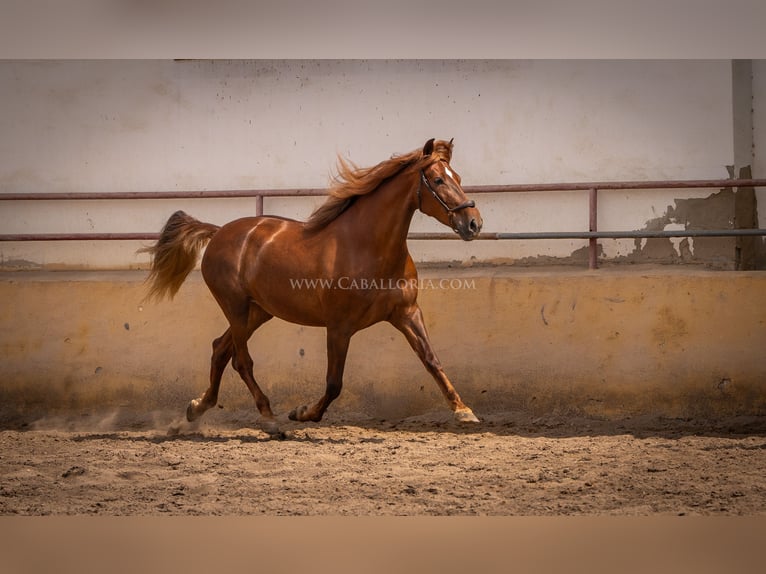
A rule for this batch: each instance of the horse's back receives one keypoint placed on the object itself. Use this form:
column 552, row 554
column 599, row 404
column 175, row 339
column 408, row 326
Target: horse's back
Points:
column 238, row 239
column 239, row 231
column 245, row 225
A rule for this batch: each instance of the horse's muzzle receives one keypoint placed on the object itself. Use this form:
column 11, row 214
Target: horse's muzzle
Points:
column 468, row 227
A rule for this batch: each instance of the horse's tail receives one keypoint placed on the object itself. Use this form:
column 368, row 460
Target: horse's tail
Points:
column 175, row 253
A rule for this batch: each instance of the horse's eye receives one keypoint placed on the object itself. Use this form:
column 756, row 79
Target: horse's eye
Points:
column 438, row 181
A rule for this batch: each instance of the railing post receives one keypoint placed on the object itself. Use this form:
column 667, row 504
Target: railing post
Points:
column 259, row 205
column 593, row 226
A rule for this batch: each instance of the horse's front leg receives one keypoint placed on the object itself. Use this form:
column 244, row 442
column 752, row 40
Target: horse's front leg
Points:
column 410, row 322
column 337, row 349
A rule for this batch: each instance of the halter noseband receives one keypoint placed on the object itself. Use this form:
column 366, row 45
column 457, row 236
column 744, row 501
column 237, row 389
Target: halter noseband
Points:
column 448, row 209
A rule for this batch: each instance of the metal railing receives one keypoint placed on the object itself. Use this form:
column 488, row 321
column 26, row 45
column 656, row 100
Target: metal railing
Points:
column 592, row 234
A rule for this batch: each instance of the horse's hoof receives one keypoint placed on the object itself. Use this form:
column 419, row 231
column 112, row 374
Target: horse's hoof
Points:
column 191, row 410
column 297, row 413
column 270, row 427
column 466, row 416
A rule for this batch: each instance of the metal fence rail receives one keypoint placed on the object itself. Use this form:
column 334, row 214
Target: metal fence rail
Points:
column 592, row 234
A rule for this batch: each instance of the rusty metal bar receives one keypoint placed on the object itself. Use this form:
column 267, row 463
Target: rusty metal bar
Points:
column 79, row 236
column 617, row 185
column 314, row 192
column 637, row 234
column 124, row 195
column 424, row 236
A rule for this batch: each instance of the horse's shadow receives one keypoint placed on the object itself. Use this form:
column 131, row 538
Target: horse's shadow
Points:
column 339, row 429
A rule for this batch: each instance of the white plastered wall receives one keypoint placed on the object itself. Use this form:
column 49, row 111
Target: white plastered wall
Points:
column 196, row 125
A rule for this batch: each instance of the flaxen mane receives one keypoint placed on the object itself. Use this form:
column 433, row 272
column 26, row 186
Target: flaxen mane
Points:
column 353, row 181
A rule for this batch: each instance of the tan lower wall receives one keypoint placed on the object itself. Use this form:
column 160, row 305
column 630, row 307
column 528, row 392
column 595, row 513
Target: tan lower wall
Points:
column 660, row 341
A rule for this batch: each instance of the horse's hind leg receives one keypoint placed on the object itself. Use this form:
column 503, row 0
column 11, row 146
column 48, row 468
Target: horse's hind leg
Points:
column 242, row 326
column 232, row 345
column 223, row 350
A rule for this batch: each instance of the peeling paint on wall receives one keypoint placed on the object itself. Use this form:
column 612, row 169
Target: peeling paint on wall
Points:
column 716, row 211
column 723, row 209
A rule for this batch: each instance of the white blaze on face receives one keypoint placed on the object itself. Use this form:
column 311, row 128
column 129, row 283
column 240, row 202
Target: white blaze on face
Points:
column 449, row 172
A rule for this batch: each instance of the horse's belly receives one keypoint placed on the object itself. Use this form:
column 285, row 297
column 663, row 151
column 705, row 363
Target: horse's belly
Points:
column 298, row 308
column 329, row 305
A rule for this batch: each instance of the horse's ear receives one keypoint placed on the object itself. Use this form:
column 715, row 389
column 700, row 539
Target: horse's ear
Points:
column 428, row 149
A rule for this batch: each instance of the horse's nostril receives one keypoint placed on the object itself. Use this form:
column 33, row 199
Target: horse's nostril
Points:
column 473, row 226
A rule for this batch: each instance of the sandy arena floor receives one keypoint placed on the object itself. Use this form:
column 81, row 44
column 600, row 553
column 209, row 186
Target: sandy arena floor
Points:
column 510, row 464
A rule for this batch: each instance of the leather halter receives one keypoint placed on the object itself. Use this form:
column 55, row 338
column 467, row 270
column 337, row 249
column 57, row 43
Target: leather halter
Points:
column 448, row 209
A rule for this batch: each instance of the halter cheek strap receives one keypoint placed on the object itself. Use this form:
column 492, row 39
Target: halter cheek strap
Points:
column 447, row 208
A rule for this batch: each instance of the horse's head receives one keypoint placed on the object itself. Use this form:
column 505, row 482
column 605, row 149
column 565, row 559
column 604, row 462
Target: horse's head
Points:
column 440, row 194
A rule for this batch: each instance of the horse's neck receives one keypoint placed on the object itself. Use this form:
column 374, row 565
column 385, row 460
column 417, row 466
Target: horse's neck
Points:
column 381, row 220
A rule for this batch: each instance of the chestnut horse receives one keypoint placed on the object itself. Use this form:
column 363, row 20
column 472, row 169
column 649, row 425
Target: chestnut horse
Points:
column 254, row 267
